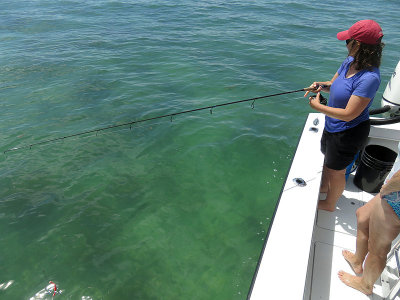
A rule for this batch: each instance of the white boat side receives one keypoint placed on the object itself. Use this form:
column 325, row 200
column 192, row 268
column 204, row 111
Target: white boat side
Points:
column 283, row 264
column 302, row 252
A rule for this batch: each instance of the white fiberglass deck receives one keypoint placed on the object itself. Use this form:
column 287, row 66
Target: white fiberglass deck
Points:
column 333, row 233
column 336, row 231
column 303, row 251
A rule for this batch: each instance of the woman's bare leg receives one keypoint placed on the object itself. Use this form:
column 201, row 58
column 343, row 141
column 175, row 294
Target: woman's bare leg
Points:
column 324, row 181
column 384, row 227
column 336, row 184
column 363, row 214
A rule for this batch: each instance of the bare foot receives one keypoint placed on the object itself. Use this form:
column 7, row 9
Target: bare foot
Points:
column 322, row 204
column 354, row 282
column 351, row 259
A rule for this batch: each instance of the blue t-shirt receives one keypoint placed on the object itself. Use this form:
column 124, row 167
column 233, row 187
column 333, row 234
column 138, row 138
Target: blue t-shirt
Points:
column 364, row 84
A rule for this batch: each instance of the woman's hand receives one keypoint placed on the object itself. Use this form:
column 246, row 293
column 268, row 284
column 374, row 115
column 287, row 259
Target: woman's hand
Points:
column 318, row 86
column 315, row 101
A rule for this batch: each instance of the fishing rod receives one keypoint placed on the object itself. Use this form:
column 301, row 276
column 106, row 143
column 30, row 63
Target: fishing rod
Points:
column 211, row 107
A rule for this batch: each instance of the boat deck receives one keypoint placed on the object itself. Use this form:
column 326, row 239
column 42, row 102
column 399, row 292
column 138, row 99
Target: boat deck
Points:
column 302, row 253
column 333, row 233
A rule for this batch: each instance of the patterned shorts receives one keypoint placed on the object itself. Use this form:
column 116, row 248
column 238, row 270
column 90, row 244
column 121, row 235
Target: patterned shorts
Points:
column 393, row 199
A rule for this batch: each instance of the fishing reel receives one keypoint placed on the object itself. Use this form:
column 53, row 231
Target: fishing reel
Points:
column 322, row 99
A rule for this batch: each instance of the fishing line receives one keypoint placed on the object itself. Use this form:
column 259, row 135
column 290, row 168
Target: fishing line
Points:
column 171, row 116
column 101, row 133
column 106, row 133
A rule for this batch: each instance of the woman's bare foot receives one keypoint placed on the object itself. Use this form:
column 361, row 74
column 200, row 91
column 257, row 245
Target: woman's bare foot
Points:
column 351, row 259
column 324, row 205
column 354, row 282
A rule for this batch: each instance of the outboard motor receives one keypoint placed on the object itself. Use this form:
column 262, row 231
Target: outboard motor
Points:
column 391, row 95
column 390, row 104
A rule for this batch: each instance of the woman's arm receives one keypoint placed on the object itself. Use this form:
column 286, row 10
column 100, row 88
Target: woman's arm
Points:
column 353, row 109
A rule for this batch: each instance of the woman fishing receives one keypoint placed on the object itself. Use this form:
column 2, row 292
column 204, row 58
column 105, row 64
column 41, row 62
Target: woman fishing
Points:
column 352, row 90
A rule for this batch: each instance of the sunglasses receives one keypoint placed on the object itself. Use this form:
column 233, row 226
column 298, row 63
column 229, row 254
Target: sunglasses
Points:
column 348, row 41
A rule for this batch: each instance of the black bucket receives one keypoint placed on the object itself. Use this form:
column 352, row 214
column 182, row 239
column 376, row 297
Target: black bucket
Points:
column 375, row 164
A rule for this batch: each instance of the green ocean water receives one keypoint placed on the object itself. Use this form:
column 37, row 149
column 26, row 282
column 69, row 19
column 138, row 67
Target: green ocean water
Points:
column 162, row 210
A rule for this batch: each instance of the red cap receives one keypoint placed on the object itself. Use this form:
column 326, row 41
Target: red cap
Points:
column 365, row 31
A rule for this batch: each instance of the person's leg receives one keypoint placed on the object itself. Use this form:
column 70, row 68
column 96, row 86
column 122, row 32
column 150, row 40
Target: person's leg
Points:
column 339, row 149
column 336, row 184
column 383, row 229
column 363, row 214
column 324, row 181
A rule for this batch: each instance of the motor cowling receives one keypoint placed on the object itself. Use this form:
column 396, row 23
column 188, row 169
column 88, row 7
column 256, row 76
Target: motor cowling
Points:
column 391, row 95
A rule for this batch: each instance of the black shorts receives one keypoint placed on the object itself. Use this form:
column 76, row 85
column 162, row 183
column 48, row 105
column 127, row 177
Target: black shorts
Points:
column 341, row 147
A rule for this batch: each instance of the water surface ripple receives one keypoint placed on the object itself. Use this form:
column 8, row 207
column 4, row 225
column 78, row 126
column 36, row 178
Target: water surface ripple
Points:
column 166, row 210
